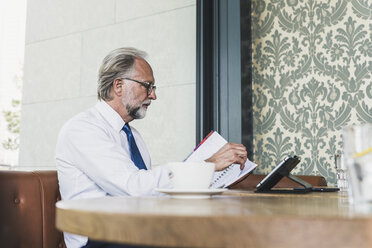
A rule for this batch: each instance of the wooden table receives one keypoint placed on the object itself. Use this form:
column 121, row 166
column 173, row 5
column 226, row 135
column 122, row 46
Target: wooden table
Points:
column 234, row 219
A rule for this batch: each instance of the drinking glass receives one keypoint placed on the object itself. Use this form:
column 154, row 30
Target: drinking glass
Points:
column 358, row 161
column 341, row 173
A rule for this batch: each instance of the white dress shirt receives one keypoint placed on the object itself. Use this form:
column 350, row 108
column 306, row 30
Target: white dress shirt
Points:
column 93, row 160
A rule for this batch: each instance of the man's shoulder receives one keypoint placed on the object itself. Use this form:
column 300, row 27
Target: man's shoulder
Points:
column 84, row 121
column 86, row 116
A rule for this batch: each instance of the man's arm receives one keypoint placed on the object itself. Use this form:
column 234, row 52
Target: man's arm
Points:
column 230, row 153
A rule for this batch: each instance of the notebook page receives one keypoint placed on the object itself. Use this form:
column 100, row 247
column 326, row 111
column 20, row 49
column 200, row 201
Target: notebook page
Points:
column 232, row 175
column 209, row 147
column 221, row 178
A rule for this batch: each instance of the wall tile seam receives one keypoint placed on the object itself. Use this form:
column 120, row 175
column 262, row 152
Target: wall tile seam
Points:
column 79, row 32
column 83, row 31
column 115, row 11
column 175, row 85
column 152, row 14
column 57, row 100
column 87, row 96
column 81, row 64
column 169, row 86
column 76, row 34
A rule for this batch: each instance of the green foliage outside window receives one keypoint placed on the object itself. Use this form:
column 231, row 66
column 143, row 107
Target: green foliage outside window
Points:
column 12, row 118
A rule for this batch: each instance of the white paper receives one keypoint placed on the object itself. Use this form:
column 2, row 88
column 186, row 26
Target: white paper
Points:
column 221, row 178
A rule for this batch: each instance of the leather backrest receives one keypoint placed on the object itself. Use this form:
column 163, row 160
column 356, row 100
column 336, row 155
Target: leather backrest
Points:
column 27, row 209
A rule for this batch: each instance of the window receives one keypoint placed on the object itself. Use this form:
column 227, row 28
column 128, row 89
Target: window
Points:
column 223, row 91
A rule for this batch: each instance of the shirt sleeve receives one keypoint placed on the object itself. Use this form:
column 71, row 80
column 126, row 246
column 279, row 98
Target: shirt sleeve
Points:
column 91, row 149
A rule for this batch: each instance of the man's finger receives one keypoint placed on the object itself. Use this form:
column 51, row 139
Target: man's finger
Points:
column 242, row 161
column 237, row 146
column 239, row 160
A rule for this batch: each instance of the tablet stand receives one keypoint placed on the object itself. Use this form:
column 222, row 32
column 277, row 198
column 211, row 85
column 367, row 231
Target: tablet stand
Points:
column 299, row 181
column 280, row 171
column 307, row 187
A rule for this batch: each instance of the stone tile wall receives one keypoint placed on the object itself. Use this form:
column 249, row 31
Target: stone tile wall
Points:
column 65, row 44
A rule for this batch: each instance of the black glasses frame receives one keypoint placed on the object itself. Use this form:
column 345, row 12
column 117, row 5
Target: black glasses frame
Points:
column 149, row 87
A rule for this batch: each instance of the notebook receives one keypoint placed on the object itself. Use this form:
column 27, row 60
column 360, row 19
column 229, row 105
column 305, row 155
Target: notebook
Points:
column 221, row 179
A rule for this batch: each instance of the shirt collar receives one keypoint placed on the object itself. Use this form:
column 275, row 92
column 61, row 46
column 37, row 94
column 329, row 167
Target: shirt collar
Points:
column 110, row 115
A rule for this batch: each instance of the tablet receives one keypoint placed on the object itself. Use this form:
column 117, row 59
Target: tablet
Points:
column 283, row 169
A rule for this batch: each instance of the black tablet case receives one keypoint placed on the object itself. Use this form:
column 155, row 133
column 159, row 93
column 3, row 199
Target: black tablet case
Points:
column 283, row 170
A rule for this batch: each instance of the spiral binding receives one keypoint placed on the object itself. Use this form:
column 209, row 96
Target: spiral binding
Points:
column 222, row 174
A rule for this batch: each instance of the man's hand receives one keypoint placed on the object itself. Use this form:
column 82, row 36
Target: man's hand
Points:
column 229, row 154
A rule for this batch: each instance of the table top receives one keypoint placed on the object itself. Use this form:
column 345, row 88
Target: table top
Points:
column 233, row 219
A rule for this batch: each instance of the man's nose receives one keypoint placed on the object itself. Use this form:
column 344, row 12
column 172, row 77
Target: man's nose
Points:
column 152, row 95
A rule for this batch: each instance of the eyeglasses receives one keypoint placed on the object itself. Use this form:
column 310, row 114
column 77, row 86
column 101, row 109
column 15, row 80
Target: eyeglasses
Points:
column 149, row 87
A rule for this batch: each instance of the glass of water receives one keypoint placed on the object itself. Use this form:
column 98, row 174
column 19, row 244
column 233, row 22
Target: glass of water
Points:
column 341, row 173
column 358, row 161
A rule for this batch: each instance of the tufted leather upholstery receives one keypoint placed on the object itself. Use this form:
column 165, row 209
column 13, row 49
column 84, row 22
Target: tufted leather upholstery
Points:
column 27, row 209
column 251, row 182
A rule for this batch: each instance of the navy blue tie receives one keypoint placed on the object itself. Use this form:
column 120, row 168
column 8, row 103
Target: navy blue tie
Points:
column 135, row 154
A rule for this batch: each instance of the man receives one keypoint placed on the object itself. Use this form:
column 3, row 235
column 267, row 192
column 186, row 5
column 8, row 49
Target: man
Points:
column 99, row 154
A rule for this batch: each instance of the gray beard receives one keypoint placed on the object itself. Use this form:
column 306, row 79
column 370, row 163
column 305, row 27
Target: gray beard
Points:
column 136, row 112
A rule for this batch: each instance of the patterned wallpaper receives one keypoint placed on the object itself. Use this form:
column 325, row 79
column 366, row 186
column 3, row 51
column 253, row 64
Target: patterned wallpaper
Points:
column 311, row 76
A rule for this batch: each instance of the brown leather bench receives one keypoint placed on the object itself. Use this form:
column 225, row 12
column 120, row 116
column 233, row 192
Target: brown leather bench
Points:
column 27, row 209
column 27, row 206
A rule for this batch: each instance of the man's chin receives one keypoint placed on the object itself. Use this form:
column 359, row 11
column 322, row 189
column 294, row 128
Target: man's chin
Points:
column 140, row 114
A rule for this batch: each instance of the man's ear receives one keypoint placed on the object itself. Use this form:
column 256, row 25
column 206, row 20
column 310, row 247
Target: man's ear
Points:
column 117, row 87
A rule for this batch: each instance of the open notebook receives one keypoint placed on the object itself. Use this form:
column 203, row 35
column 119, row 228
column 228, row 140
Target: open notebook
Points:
column 222, row 179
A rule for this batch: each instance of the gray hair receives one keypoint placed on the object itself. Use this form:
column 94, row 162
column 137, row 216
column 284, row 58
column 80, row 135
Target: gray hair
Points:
column 117, row 63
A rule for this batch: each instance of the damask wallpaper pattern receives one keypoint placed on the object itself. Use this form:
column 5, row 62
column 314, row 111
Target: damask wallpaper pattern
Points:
column 312, row 66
